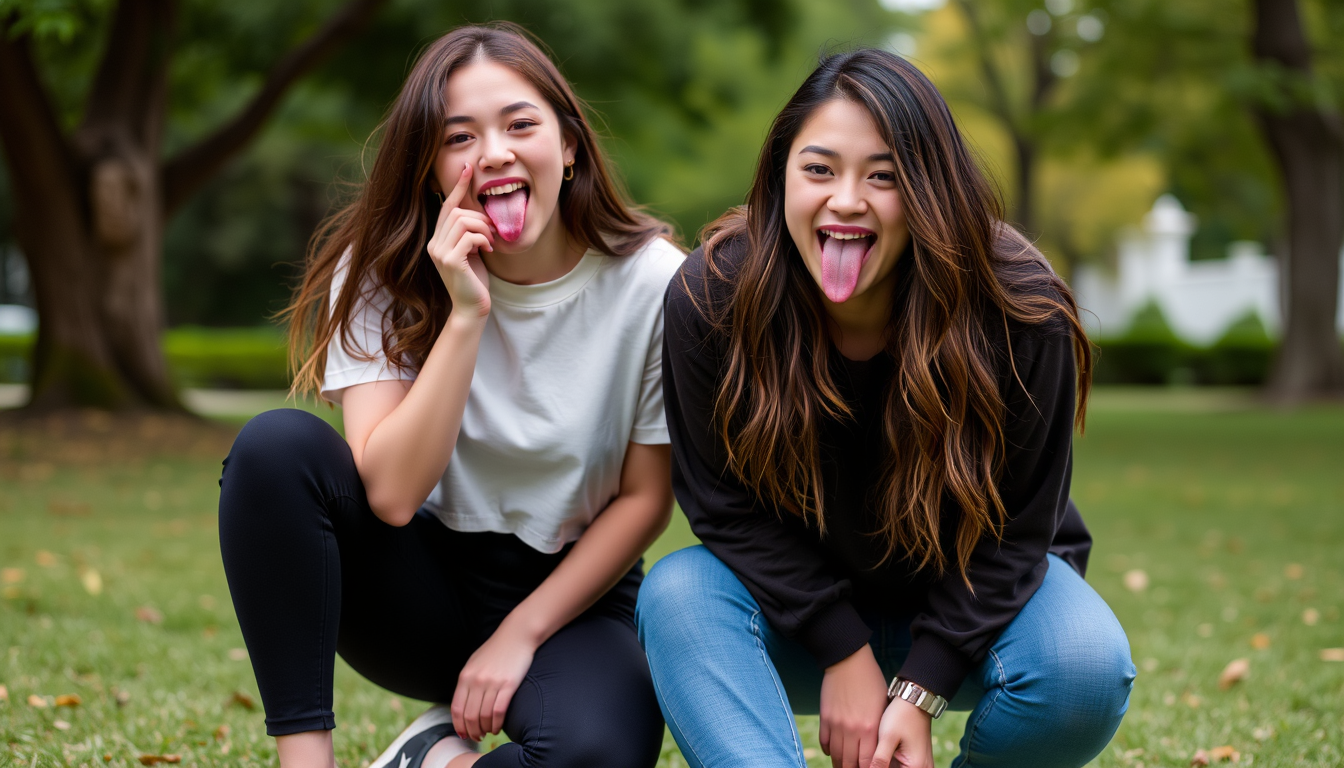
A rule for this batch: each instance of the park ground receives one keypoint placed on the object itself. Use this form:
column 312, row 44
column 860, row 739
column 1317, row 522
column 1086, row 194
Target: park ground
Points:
column 1219, row 528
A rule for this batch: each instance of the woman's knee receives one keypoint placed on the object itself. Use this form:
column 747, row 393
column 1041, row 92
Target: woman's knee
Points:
column 1075, row 693
column 276, row 442
column 685, row 588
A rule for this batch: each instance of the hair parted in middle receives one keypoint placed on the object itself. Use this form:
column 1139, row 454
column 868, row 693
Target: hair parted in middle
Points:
column 963, row 277
column 386, row 226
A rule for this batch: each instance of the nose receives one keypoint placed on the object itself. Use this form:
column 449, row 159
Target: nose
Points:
column 495, row 152
column 847, row 199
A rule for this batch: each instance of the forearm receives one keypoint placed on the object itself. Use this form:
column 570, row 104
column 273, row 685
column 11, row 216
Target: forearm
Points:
column 603, row 554
column 406, row 452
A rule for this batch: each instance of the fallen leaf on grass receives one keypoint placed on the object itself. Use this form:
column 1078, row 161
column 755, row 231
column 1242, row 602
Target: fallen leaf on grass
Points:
column 242, row 700
column 1233, row 673
column 69, row 700
column 1200, row 759
column 222, row 732
column 237, row 654
column 1191, row 700
column 156, row 759
column 148, row 615
column 37, row 701
column 1225, row 754
column 1136, row 580
column 122, row 697
column 61, row 725
column 1332, row 654
column 45, row 558
column 4, row 693
column 1310, row 616
column 1293, row 571
column 11, row 575
column 1259, row 641
column 93, row 583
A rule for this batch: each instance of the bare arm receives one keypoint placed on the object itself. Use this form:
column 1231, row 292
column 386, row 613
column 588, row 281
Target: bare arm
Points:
column 402, row 433
column 603, row 554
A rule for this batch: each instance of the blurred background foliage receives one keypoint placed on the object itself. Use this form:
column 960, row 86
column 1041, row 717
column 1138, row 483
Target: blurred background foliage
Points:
column 1117, row 101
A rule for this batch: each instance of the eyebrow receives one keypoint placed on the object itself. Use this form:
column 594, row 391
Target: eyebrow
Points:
column 510, row 109
column 877, row 157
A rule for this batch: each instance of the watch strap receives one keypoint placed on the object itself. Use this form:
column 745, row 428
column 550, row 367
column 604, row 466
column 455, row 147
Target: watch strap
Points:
column 926, row 700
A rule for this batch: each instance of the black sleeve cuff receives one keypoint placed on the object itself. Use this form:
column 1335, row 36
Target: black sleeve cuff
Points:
column 834, row 633
column 936, row 666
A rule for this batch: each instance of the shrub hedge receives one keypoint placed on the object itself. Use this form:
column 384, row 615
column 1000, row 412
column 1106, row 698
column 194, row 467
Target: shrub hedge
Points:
column 1148, row 353
column 216, row 358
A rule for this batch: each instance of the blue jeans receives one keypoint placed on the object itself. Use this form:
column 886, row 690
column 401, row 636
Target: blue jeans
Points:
column 1050, row 692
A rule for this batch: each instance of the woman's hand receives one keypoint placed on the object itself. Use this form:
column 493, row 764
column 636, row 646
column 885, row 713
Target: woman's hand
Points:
column 488, row 681
column 904, row 737
column 459, row 237
column 853, row 697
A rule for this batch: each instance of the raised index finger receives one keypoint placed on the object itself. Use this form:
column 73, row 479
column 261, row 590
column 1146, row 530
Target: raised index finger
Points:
column 459, row 192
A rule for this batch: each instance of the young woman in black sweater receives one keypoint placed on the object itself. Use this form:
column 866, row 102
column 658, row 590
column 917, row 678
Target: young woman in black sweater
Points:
column 872, row 383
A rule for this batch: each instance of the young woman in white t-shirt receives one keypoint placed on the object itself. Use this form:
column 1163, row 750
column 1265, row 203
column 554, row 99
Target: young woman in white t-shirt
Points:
column 488, row 312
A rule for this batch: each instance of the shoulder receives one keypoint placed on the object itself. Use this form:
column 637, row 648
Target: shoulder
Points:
column 1032, row 285
column 706, row 279
column 648, row 269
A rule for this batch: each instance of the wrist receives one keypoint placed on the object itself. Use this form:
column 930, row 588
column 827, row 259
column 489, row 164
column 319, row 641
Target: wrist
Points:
column 519, row 629
column 463, row 319
column 917, row 696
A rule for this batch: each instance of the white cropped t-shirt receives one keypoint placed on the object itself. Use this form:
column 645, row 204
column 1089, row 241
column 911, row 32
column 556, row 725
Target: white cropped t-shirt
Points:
column 569, row 373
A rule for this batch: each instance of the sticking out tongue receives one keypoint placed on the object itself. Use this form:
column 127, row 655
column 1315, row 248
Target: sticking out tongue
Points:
column 840, row 264
column 508, row 213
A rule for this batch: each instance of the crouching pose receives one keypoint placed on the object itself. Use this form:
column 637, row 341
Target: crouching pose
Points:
column 872, row 383
column 489, row 314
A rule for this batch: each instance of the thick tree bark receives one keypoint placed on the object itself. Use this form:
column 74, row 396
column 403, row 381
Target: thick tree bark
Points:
column 91, row 209
column 1308, row 144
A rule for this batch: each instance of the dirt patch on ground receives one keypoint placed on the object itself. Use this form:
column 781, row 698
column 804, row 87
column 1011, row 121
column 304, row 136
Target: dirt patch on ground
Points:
column 92, row 437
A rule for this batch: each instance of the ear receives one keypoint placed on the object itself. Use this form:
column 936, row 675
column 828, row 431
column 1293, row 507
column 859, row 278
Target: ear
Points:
column 569, row 148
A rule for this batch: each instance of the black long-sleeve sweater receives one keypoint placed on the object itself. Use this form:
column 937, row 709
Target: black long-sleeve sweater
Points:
column 811, row 587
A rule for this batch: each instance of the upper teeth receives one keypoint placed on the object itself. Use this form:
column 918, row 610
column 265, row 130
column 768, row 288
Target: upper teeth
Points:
column 504, row 189
column 843, row 235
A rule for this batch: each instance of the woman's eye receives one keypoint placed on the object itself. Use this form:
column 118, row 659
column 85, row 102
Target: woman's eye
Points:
column 457, row 138
column 819, row 170
column 519, row 125
column 883, row 176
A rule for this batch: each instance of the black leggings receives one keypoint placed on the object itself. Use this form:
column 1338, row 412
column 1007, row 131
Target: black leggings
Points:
column 314, row 573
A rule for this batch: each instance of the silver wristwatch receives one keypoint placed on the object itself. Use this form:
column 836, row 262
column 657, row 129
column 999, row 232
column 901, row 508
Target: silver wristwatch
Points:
column 930, row 702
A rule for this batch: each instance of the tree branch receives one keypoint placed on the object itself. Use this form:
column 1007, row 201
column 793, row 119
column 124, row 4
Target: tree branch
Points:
column 136, row 52
column 998, row 94
column 40, row 160
column 195, row 165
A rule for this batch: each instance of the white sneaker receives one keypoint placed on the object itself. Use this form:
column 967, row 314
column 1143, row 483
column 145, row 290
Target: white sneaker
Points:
column 409, row 749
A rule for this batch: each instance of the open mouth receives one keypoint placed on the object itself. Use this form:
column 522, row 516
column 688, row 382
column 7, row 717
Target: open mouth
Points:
column 844, row 251
column 505, row 202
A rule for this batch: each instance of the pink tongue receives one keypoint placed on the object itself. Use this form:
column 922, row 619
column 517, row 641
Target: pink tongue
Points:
column 840, row 264
column 508, row 213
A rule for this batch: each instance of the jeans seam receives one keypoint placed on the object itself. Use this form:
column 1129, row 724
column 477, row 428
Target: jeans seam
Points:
column 971, row 728
column 783, row 698
column 524, row 750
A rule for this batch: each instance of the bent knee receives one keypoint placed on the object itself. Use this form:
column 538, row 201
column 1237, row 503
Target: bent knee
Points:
column 678, row 586
column 1085, row 684
column 280, row 439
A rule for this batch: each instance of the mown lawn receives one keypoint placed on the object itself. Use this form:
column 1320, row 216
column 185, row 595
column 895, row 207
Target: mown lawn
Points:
column 1233, row 516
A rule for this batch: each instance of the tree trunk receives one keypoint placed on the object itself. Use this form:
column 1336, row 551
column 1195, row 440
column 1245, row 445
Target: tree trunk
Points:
column 1024, row 213
column 91, row 210
column 1308, row 144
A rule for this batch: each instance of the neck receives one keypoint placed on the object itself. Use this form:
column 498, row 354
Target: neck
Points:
column 550, row 258
column 859, row 326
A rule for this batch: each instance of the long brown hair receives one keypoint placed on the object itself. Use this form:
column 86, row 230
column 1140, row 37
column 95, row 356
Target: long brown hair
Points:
column 389, row 222
column 965, row 276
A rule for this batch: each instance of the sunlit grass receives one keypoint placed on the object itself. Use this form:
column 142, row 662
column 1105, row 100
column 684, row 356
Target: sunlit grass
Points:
column 1235, row 514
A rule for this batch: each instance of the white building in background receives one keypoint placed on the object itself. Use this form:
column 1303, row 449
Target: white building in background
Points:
column 1199, row 299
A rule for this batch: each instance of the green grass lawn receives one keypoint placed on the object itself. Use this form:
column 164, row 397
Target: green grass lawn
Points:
column 113, row 590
